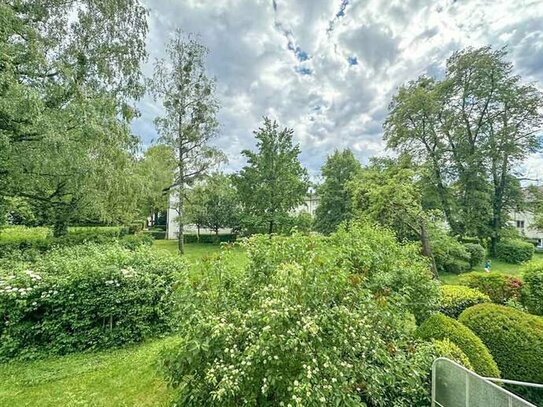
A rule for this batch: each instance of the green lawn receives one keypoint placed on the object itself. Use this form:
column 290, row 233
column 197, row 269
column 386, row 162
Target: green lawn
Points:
column 498, row 266
column 119, row 378
column 196, row 252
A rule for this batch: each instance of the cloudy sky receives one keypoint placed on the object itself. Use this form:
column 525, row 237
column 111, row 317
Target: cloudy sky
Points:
column 328, row 68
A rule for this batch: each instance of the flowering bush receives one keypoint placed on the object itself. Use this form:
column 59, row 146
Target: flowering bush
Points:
column 501, row 288
column 85, row 297
column 311, row 322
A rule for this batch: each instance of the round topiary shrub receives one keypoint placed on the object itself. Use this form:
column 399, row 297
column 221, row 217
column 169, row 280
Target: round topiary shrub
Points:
column 514, row 338
column 440, row 326
column 499, row 287
column 514, row 251
column 456, row 298
column 476, row 253
column 447, row 349
column 532, row 290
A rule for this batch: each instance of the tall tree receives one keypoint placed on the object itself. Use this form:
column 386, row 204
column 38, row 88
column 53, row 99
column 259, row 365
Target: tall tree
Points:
column 181, row 84
column 472, row 128
column 273, row 182
column 221, row 203
column 67, row 72
column 387, row 193
column 335, row 200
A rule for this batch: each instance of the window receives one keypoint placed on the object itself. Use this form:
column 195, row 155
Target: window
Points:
column 520, row 224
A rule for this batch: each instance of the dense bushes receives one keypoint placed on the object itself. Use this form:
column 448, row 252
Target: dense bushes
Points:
column 439, row 326
column 499, row 287
column 514, row 338
column 450, row 255
column 311, row 321
column 32, row 243
column 532, row 291
column 213, row 239
column 456, row 298
column 85, row 297
column 476, row 253
column 514, row 251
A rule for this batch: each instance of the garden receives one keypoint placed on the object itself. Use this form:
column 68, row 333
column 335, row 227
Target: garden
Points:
column 120, row 320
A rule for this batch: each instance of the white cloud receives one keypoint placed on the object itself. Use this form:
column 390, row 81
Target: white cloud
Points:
column 290, row 60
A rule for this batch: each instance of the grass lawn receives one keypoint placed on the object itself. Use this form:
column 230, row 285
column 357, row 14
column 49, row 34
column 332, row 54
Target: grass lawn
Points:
column 498, row 266
column 119, row 378
column 195, row 252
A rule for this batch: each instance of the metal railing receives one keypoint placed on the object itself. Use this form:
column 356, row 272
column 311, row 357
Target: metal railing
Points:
column 455, row 386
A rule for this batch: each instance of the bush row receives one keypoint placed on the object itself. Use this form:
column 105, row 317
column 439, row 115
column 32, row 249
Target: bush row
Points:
column 227, row 238
column 501, row 288
column 85, row 297
column 514, row 251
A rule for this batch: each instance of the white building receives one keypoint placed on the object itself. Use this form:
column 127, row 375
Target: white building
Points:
column 523, row 221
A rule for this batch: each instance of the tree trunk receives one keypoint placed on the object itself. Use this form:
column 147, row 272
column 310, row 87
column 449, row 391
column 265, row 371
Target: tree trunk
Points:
column 60, row 225
column 270, row 230
column 198, row 233
column 427, row 249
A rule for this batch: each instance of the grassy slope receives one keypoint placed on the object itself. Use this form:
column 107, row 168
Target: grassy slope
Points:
column 119, row 378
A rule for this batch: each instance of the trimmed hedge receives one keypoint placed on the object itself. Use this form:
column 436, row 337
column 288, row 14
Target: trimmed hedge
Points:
column 456, row 298
column 450, row 255
column 212, row 239
column 514, row 251
column 532, row 290
column 447, row 349
column 499, row 287
column 155, row 234
column 440, row 327
column 85, row 297
column 476, row 253
column 514, row 338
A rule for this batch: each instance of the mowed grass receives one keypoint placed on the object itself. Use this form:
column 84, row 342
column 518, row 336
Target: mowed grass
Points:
column 118, row 378
column 498, row 266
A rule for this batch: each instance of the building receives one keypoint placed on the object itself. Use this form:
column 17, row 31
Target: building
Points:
column 524, row 221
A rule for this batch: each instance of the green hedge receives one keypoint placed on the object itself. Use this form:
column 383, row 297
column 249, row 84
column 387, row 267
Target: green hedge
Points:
column 450, row 255
column 156, row 234
column 476, row 253
column 447, row 349
column 514, row 338
column 85, row 297
column 213, row 239
column 456, row 298
column 514, row 251
column 440, row 326
column 499, row 287
column 532, row 290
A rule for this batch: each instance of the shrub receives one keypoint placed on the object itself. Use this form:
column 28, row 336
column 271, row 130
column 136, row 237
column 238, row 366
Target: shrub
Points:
column 450, row 255
column 440, row 326
column 532, row 290
column 211, row 239
column 514, row 251
column 514, row 338
column 476, row 253
column 501, row 288
column 156, row 234
column 447, row 349
column 456, row 298
column 85, row 297
column 309, row 322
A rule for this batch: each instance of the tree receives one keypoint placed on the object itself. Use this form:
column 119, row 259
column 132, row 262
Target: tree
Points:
column 195, row 206
column 181, row 84
column 221, row 203
column 472, row 128
column 68, row 70
column 386, row 193
column 335, row 205
column 156, row 171
column 273, row 182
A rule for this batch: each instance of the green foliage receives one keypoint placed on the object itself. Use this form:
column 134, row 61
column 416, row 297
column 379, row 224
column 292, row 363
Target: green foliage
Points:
column 476, row 253
column 456, row 298
column 273, row 182
column 85, row 297
column 514, row 251
column 211, row 239
column 532, row 290
column 335, row 205
column 514, row 338
column 450, row 255
column 499, row 287
column 313, row 320
column 447, row 349
column 439, row 326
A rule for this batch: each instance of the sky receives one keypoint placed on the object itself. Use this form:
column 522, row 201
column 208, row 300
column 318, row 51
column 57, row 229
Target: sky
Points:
column 329, row 68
